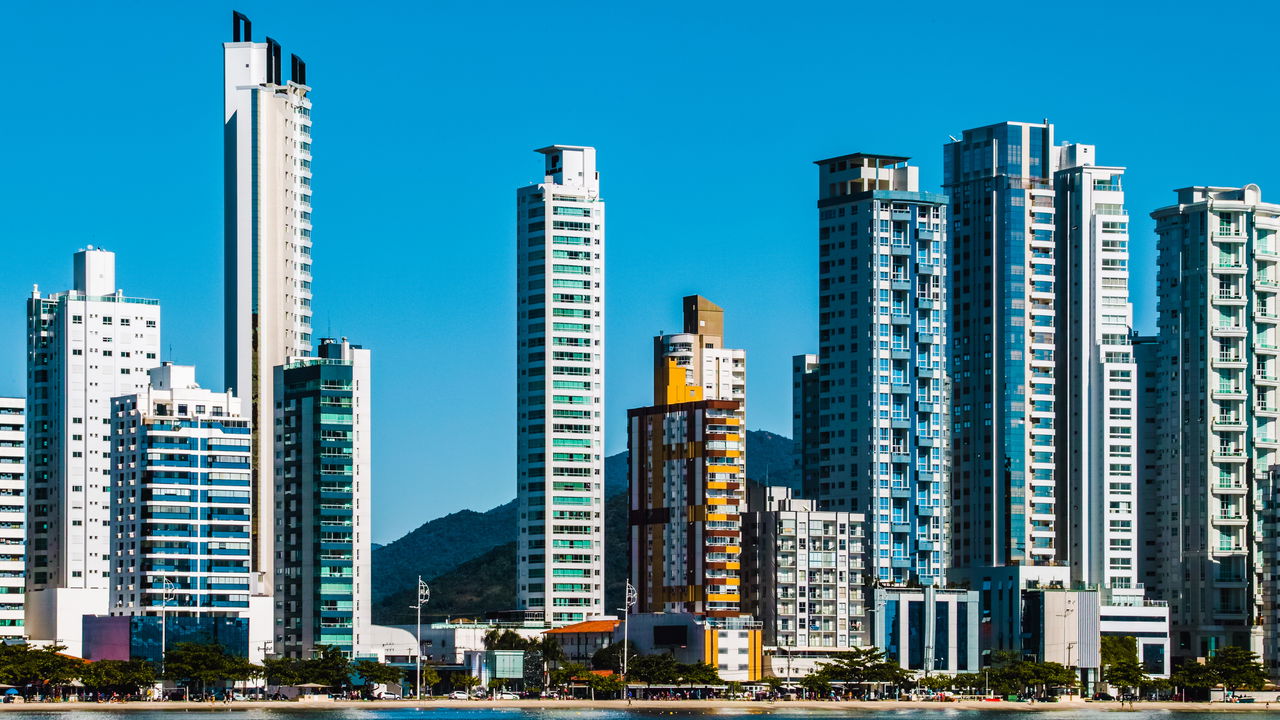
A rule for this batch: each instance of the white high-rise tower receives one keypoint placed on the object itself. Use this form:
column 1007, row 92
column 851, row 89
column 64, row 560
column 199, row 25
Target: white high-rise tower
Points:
column 267, row 151
column 560, row 388
column 84, row 347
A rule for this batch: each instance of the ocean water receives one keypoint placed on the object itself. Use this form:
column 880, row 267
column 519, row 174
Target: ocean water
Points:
column 778, row 711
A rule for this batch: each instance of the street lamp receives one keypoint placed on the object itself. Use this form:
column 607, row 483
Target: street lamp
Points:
column 424, row 594
column 166, row 594
column 631, row 598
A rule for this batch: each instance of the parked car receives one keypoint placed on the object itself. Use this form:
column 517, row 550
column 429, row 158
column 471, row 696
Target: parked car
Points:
column 506, row 696
column 1103, row 696
column 388, row 696
column 459, row 695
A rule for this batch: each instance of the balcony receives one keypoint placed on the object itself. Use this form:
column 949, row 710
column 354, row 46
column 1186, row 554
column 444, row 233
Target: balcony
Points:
column 1263, row 316
column 1236, row 520
column 1227, row 268
column 1229, row 330
column 1228, row 423
column 1228, row 360
column 1229, row 298
column 1264, row 378
column 1229, row 455
column 1266, row 285
column 1266, row 348
column 1228, row 393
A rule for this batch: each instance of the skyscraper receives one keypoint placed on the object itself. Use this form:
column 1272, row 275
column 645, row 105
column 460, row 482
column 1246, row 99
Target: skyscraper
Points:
column 267, row 196
column 1097, row 513
column 13, row 520
column 804, row 421
column 1219, row 393
column 687, row 471
column 883, row 432
column 323, row 477
column 180, row 498
column 560, row 388
column 84, row 347
column 1005, row 537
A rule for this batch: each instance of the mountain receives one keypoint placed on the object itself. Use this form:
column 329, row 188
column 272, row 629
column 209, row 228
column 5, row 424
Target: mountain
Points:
column 439, row 546
column 469, row 557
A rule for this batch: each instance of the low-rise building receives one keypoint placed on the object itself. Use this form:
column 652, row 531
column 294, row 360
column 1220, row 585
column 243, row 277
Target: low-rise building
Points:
column 929, row 629
column 581, row 641
column 805, row 573
column 732, row 645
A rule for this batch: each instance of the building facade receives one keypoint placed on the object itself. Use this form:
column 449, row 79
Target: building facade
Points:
column 929, row 629
column 806, row 573
column 687, row 471
column 560, row 388
column 180, row 497
column 1097, row 452
column 323, row 486
column 267, row 211
column 1005, row 489
column 1219, row 392
column 13, row 515
column 84, row 347
column 883, row 433
column 804, row 421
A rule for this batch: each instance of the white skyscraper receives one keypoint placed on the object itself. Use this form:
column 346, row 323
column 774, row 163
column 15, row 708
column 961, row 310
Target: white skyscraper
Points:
column 560, row 388
column 1218, row 375
column 1097, row 413
column 267, row 136
column 84, row 347
column 13, row 508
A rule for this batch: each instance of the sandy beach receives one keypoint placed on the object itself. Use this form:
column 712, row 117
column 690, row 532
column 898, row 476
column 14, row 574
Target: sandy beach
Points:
column 689, row 706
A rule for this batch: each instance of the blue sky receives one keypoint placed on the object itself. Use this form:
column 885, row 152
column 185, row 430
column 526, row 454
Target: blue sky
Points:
column 707, row 117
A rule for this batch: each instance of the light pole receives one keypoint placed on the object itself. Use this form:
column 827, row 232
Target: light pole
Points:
column 166, row 594
column 424, row 594
column 630, row 602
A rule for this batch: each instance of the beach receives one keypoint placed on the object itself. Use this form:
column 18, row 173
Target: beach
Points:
column 647, row 706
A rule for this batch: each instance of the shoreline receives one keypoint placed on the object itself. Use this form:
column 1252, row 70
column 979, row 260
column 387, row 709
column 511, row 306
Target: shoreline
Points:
column 638, row 706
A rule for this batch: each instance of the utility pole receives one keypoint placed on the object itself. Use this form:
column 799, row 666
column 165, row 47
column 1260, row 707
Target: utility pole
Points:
column 424, row 594
column 166, row 594
column 631, row 598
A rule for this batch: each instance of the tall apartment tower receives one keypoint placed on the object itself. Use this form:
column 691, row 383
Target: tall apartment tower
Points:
column 1005, row 490
column 84, row 347
column 804, row 421
column 323, row 479
column 13, row 519
column 560, row 389
column 1219, row 393
column 883, row 419
column 1097, row 451
column 687, row 471
column 267, row 197
column 180, row 498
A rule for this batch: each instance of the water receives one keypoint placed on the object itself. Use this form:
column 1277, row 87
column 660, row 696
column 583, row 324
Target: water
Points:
column 558, row 713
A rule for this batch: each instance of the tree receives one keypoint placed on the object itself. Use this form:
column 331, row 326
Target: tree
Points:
column 854, row 667
column 376, row 673
column 126, row 677
column 1237, row 668
column 608, row 685
column 816, row 683
column 936, row 682
column 1192, row 675
column 282, row 671
column 1126, row 673
column 650, row 669
column 566, row 673
column 327, row 666
column 697, row 674
column 201, row 664
column 506, row 639
column 465, row 682
column 1118, row 648
column 609, row 657
column 774, row 683
column 430, row 678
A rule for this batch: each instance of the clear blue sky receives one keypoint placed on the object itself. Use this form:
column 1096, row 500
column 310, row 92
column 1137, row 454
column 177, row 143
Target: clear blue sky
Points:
column 707, row 117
